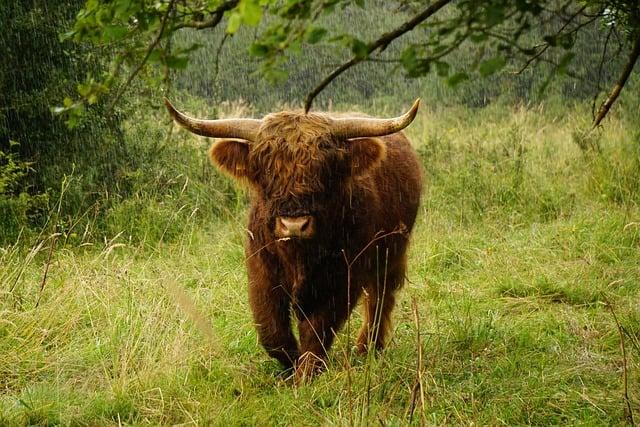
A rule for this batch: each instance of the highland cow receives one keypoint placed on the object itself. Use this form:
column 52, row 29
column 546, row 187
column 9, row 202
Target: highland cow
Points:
column 333, row 201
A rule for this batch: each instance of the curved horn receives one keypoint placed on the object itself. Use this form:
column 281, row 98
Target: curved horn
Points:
column 224, row 128
column 362, row 127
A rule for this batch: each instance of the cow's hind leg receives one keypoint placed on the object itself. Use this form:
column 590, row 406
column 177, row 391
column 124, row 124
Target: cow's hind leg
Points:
column 377, row 305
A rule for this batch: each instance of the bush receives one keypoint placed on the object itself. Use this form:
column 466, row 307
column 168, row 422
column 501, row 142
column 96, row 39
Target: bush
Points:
column 16, row 207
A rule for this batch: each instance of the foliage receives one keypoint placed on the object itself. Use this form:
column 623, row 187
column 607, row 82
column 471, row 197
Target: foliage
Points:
column 87, row 171
column 16, row 207
column 213, row 73
column 36, row 69
column 501, row 32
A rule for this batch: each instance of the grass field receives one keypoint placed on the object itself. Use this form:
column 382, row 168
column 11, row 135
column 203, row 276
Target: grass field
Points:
column 527, row 244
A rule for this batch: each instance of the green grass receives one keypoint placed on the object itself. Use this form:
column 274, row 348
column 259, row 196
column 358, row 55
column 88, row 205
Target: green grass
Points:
column 523, row 239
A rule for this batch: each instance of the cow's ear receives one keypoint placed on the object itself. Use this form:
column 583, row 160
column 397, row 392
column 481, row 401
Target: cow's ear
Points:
column 232, row 156
column 365, row 154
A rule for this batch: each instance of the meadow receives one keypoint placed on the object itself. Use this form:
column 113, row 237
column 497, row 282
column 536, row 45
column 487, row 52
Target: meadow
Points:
column 524, row 279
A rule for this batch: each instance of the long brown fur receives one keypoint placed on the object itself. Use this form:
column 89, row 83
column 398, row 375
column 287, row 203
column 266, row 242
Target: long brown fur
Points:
column 363, row 194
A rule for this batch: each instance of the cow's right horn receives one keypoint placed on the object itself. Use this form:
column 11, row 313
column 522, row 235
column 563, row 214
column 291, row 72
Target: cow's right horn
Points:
column 358, row 127
column 246, row 129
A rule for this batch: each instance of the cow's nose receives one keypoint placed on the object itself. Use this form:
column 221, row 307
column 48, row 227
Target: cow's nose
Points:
column 295, row 226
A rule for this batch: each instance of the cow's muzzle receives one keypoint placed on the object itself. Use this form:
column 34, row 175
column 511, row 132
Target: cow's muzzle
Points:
column 301, row 227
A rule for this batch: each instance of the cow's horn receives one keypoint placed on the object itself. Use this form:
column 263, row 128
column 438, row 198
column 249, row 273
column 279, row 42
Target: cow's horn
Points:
column 224, row 128
column 362, row 127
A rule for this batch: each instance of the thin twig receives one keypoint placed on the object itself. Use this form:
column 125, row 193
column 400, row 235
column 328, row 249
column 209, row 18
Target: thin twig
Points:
column 622, row 80
column 349, row 381
column 379, row 44
column 378, row 236
column 150, row 49
column 218, row 52
column 547, row 45
column 210, row 23
column 46, row 268
column 418, row 384
column 628, row 412
column 604, row 55
column 402, row 229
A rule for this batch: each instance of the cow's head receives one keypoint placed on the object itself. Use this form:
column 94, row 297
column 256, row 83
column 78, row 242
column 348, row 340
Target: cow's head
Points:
column 296, row 162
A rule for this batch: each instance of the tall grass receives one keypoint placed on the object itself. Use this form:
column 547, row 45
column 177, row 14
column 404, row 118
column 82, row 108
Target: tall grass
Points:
column 523, row 239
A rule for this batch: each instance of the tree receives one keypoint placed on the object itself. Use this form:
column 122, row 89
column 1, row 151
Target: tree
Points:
column 522, row 33
column 37, row 151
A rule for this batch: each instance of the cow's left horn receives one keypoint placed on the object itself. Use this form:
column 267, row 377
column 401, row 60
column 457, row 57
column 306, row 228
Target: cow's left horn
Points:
column 362, row 127
column 223, row 128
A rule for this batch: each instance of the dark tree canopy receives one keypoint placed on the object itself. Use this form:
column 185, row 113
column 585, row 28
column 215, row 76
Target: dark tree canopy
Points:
column 37, row 150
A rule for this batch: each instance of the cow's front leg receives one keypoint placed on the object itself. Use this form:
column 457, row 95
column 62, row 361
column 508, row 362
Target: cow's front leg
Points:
column 318, row 323
column 317, row 332
column 270, row 305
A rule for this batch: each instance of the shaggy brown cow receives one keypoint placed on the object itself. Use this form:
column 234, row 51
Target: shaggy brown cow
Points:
column 333, row 202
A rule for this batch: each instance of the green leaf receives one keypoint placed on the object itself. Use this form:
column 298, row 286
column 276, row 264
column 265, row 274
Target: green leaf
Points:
column 179, row 62
column 408, row 57
column 234, row 23
column 250, row 11
column 478, row 37
column 315, row 34
column 275, row 75
column 295, row 47
column 442, row 68
column 494, row 14
column 565, row 61
column 457, row 78
column 567, row 41
column 258, row 49
column 84, row 89
column 492, row 66
column 68, row 35
column 359, row 48
column 415, row 66
column 114, row 32
column 551, row 40
column 155, row 56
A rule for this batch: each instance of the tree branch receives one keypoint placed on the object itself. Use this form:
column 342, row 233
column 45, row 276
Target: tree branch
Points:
column 218, row 52
column 622, row 80
column 381, row 44
column 602, row 59
column 150, row 49
column 525, row 52
column 546, row 46
column 210, row 23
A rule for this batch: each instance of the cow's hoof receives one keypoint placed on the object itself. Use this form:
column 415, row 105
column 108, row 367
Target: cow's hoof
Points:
column 361, row 348
column 363, row 345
